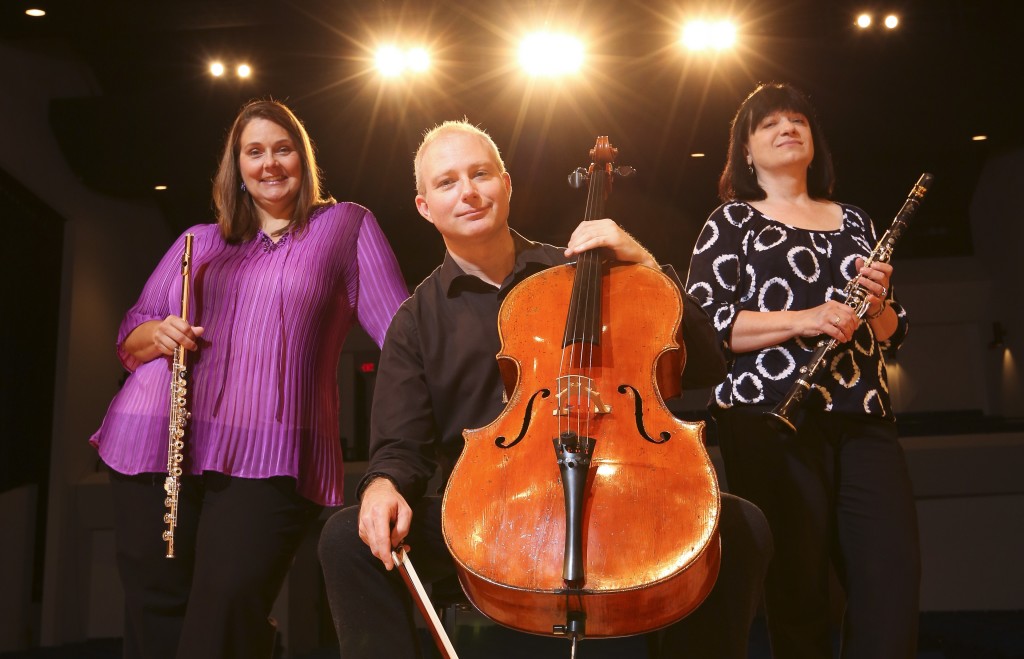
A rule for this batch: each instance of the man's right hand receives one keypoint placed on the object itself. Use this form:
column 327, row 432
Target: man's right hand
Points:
column 384, row 519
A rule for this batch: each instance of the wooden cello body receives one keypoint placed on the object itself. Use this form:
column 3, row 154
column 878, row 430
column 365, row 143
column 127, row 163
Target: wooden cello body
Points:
column 635, row 546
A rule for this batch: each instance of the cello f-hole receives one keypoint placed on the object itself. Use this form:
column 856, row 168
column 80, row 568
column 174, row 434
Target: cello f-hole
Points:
column 500, row 440
column 638, row 412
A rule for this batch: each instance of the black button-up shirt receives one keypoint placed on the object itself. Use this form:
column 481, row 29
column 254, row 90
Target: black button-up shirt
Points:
column 438, row 374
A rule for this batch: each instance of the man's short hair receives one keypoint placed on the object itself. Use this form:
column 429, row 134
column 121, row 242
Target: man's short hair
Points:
column 460, row 126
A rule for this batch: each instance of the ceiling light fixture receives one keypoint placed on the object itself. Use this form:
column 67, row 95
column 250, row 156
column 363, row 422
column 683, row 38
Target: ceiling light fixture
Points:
column 709, row 35
column 551, row 54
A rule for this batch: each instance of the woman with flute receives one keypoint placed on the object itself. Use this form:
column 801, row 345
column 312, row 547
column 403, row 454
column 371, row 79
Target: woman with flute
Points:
column 277, row 282
column 770, row 266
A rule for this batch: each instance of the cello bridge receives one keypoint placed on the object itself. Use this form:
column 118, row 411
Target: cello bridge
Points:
column 576, row 393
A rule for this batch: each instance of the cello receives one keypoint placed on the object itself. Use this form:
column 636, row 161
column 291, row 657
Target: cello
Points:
column 586, row 508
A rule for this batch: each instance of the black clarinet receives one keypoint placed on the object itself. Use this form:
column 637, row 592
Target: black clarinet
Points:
column 781, row 417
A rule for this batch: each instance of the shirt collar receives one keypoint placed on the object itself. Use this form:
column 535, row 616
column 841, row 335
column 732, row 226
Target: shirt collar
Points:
column 531, row 257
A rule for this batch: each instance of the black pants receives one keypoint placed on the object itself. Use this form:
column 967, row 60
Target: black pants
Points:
column 837, row 492
column 234, row 544
column 369, row 604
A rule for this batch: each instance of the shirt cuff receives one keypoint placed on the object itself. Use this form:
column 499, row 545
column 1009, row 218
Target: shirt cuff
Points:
column 372, row 476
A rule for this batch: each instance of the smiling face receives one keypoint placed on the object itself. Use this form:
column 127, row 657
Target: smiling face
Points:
column 466, row 193
column 271, row 168
column 781, row 141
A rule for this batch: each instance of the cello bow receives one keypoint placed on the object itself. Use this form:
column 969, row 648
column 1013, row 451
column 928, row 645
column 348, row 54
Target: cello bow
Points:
column 422, row 600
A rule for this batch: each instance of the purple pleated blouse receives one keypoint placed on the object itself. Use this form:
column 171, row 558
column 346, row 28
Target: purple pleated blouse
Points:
column 263, row 388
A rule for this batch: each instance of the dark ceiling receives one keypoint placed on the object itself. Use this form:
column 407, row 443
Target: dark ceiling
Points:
column 893, row 105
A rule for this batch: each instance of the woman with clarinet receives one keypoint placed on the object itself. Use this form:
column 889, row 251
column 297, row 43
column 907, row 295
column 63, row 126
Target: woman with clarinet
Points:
column 770, row 267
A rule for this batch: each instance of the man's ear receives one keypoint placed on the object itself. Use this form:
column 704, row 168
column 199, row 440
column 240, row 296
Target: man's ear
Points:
column 422, row 208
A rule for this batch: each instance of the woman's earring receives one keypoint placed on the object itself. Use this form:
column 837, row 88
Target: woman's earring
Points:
column 243, row 186
column 750, row 168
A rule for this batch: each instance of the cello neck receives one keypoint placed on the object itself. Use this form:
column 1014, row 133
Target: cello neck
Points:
column 583, row 323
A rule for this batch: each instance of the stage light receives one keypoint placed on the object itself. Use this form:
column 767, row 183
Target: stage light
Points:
column 979, row 138
column 891, row 21
column 35, row 13
column 392, row 61
column 417, row 59
column 705, row 35
column 696, row 155
column 864, row 21
column 216, row 69
column 160, row 187
column 550, row 54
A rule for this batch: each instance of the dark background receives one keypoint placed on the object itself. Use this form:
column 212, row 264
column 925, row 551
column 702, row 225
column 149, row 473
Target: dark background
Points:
column 893, row 103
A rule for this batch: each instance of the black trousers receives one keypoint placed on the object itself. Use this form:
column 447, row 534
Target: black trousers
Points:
column 373, row 612
column 838, row 492
column 234, row 544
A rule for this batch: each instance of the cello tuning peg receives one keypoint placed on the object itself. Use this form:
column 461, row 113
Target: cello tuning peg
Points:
column 625, row 171
column 577, row 177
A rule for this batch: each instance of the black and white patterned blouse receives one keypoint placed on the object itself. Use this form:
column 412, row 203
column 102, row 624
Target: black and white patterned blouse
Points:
column 744, row 260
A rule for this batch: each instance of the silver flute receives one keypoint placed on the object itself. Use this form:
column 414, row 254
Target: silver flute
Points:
column 179, row 413
column 781, row 417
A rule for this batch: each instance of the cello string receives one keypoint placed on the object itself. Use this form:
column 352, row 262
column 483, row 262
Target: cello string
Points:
column 590, row 307
column 579, row 342
column 582, row 294
column 593, row 271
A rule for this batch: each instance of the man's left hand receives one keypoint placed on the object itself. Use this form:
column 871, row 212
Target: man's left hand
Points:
column 606, row 233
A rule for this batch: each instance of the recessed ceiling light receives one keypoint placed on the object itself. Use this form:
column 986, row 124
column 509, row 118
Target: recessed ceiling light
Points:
column 980, row 138
column 35, row 13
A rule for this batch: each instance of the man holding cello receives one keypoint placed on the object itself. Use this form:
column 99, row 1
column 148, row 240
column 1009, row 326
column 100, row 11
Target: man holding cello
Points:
column 438, row 376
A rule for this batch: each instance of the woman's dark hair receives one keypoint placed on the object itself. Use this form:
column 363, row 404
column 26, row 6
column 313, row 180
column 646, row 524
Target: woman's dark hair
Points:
column 737, row 181
column 236, row 212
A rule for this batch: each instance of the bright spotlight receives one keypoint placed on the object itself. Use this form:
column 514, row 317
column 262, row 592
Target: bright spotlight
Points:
column 390, row 61
column 891, row 21
column 705, row 35
column 243, row 71
column 417, row 60
column 979, row 138
column 35, row 13
column 550, row 54
column 216, row 69
column 864, row 21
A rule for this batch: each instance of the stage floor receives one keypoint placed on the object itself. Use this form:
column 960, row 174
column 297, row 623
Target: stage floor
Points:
column 944, row 635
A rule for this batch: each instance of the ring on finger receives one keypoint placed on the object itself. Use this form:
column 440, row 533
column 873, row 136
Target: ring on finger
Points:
column 884, row 291
column 836, row 320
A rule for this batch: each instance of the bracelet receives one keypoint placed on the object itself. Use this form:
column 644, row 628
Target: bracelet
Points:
column 881, row 310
